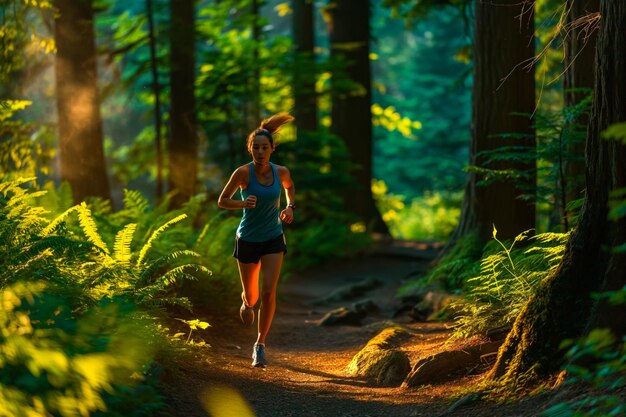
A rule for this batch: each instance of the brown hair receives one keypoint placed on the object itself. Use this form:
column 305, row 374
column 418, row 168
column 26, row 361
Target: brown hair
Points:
column 269, row 127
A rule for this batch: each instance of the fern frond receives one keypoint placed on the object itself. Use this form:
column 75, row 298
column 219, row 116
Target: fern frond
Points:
column 13, row 186
column 135, row 202
column 179, row 273
column 21, row 198
column 155, row 265
column 123, row 239
column 89, row 227
column 60, row 218
column 155, row 234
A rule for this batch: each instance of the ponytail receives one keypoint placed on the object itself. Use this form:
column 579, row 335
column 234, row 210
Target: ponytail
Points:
column 270, row 127
column 274, row 123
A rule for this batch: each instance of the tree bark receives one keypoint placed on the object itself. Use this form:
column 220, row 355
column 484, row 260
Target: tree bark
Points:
column 305, row 100
column 351, row 113
column 580, row 51
column 563, row 305
column 156, row 87
column 81, row 151
column 183, row 142
column 503, row 45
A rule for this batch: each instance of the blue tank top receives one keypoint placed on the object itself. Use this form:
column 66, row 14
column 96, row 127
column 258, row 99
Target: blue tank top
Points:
column 263, row 222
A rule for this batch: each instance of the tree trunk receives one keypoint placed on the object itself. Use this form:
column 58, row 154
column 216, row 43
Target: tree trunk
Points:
column 580, row 51
column 351, row 113
column 305, row 100
column 81, row 152
column 503, row 45
column 183, row 142
column 562, row 306
column 156, row 87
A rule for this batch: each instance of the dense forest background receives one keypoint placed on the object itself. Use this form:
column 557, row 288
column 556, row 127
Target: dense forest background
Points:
column 497, row 130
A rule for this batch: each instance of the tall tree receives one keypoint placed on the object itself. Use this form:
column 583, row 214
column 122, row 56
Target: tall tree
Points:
column 305, row 106
column 580, row 51
column 183, row 142
column 503, row 86
column 156, row 87
column 81, row 152
column 351, row 112
column 563, row 304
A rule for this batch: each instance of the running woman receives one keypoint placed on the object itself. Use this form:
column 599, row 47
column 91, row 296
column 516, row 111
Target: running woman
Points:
column 260, row 243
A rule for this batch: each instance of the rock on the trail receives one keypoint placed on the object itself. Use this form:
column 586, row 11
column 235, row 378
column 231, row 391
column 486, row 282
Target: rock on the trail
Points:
column 366, row 306
column 380, row 360
column 350, row 291
column 438, row 367
column 342, row 315
column 433, row 306
column 413, row 295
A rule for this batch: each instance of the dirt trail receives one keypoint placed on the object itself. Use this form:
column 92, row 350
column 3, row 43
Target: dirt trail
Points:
column 306, row 376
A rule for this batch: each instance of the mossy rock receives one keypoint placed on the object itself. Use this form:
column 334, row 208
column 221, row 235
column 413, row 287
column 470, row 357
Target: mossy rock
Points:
column 380, row 361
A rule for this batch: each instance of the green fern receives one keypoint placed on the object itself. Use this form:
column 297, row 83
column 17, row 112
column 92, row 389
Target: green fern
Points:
column 506, row 281
column 123, row 239
column 149, row 272
column 155, row 235
column 58, row 220
column 90, row 228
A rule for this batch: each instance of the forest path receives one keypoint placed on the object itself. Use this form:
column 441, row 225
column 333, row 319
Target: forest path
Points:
column 306, row 376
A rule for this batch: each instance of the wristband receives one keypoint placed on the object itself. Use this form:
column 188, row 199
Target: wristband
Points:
column 291, row 206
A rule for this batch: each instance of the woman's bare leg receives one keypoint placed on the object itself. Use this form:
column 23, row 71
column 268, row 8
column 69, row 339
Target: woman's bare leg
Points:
column 249, row 274
column 270, row 266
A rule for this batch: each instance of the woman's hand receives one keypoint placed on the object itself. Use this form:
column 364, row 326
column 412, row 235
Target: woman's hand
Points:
column 287, row 215
column 250, row 202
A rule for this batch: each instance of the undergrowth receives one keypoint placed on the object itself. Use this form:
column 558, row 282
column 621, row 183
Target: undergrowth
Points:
column 507, row 278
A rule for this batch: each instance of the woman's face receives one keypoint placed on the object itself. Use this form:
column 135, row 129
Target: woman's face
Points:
column 261, row 149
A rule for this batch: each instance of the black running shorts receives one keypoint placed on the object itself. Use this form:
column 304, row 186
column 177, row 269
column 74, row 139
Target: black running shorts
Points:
column 251, row 252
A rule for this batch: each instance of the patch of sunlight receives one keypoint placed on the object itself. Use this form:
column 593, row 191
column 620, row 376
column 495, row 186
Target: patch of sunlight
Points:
column 358, row 227
column 223, row 401
column 283, row 9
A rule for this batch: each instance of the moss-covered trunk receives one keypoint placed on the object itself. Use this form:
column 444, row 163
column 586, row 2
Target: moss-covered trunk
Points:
column 563, row 307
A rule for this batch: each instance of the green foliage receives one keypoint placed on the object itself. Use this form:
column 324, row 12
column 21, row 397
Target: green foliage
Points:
column 194, row 324
column 322, row 241
column 25, row 148
column 413, row 10
column 508, row 277
column 19, row 40
column 32, row 239
column 599, row 361
column 419, row 83
column 431, row 216
column 54, row 361
column 616, row 132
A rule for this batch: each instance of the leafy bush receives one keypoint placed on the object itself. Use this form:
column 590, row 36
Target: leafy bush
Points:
column 431, row 216
column 54, row 361
column 72, row 335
